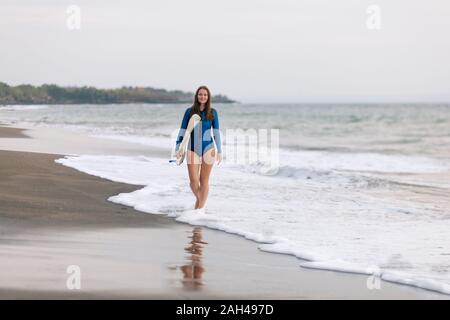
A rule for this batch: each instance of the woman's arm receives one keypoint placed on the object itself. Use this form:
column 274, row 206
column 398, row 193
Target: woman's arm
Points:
column 183, row 127
column 216, row 132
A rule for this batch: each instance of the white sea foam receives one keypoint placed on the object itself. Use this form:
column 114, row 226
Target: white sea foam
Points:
column 323, row 220
column 22, row 107
column 362, row 162
column 152, row 141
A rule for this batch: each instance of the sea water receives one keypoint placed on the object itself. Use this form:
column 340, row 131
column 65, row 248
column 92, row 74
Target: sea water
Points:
column 358, row 188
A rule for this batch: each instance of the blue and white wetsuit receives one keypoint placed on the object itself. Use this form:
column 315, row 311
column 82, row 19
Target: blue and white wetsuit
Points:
column 201, row 138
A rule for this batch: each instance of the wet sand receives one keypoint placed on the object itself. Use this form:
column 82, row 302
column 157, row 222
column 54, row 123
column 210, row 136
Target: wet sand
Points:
column 8, row 132
column 53, row 217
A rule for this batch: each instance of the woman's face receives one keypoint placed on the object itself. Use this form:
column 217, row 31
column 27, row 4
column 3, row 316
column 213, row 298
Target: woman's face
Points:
column 202, row 96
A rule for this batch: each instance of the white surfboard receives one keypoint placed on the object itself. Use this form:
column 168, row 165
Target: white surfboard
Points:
column 195, row 118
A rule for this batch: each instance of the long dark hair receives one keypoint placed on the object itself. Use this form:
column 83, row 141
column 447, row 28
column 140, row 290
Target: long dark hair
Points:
column 196, row 106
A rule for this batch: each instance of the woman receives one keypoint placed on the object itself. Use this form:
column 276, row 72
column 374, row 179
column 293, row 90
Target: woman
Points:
column 201, row 152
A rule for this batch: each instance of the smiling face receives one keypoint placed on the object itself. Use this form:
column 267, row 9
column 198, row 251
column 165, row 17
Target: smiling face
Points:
column 202, row 96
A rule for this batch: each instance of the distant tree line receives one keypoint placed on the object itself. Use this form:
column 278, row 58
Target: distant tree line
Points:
column 53, row 94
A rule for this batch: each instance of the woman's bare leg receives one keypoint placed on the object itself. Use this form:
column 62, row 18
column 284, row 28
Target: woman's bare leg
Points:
column 205, row 171
column 193, row 164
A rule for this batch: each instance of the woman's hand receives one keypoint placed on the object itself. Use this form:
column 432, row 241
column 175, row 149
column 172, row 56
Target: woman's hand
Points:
column 179, row 154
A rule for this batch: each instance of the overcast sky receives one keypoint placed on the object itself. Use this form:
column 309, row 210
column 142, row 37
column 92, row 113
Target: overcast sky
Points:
column 251, row 50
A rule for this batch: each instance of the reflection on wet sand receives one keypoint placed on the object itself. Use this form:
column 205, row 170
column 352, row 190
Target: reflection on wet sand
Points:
column 193, row 269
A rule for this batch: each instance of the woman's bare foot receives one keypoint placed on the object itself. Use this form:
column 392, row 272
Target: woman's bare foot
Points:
column 196, row 204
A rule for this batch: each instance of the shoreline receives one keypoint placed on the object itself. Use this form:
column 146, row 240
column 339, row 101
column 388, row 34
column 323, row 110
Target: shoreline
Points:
column 54, row 216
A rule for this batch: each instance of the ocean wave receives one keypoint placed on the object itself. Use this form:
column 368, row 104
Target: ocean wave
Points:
column 22, row 107
column 325, row 225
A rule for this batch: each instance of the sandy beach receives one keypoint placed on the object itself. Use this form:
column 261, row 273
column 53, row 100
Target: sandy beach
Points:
column 53, row 217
